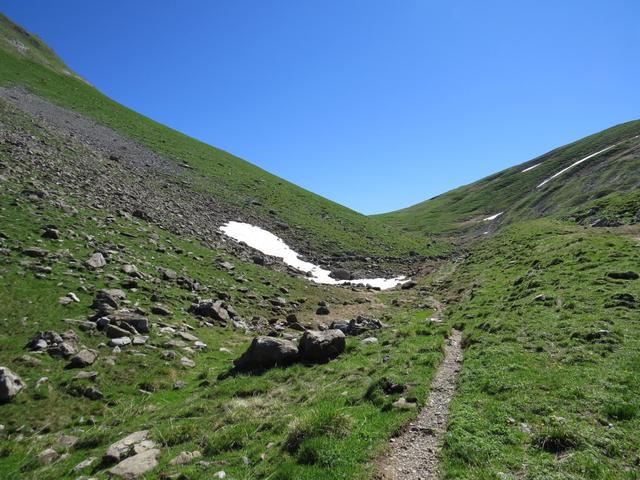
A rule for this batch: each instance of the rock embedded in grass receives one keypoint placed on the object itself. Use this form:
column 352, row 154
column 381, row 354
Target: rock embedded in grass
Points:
column 266, row 352
column 630, row 275
column 10, row 384
column 95, row 261
column 83, row 358
column 318, row 347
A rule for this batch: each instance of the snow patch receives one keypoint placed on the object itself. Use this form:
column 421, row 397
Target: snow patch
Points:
column 270, row 244
column 492, row 217
column 531, row 167
column 574, row 164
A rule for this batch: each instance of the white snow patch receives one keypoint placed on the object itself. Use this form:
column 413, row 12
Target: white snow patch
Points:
column 531, row 167
column 492, row 217
column 574, row 164
column 272, row 245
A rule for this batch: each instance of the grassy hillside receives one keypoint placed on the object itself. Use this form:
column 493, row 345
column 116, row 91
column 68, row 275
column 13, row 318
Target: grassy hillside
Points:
column 549, row 387
column 242, row 424
column 516, row 193
column 317, row 224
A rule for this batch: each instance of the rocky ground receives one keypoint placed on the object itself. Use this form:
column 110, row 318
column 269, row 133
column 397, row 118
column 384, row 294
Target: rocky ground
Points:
column 112, row 172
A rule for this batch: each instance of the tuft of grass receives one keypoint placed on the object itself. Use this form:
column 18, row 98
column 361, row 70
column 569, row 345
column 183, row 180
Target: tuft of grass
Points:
column 323, row 420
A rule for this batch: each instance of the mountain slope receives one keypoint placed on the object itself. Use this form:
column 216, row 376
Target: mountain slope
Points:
column 521, row 192
column 319, row 227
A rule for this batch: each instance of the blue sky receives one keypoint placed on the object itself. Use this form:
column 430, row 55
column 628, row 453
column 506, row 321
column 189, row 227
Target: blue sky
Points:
column 376, row 104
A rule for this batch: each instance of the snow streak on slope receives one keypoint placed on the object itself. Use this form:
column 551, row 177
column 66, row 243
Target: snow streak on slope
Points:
column 531, row 167
column 272, row 245
column 492, row 217
column 574, row 164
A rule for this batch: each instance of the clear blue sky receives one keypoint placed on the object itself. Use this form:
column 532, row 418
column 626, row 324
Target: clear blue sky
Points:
column 376, row 104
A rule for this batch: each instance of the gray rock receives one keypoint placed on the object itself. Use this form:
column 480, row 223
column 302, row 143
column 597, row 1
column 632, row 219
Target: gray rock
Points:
column 408, row 285
column 35, row 252
column 83, row 358
column 51, row 233
column 316, row 346
column 369, row 341
column 168, row 274
column 96, row 261
column 10, row 384
column 110, row 297
column 266, row 352
column 211, row 309
column 323, row 310
column 119, row 342
column 84, row 464
column 113, row 331
column 137, row 465
column 403, row 404
column 139, row 322
column 189, row 337
column 48, row 456
column 341, row 274
column 125, row 446
column 160, row 310
column 187, row 362
column 185, row 457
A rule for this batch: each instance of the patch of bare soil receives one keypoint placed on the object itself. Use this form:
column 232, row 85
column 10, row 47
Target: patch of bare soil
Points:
column 414, row 455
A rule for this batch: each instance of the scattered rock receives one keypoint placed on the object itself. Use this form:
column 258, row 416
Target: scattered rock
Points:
column 357, row 325
column 51, row 233
column 323, row 310
column 187, row 362
column 369, row 341
column 185, row 457
column 84, row 464
column 48, row 456
column 10, row 384
column 160, row 310
column 211, row 309
column 137, row 465
column 96, row 261
column 403, row 404
column 119, row 342
column 623, row 275
column 35, row 252
column 341, row 274
column 126, row 446
column 83, row 358
column 408, row 285
column 266, row 352
column 316, row 346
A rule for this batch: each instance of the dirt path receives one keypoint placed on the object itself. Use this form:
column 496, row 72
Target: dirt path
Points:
column 414, row 455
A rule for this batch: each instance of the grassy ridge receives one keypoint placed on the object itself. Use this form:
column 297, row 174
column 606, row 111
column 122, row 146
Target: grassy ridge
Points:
column 515, row 192
column 549, row 386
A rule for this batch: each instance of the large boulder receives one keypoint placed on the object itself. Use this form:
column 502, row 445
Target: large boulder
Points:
column 316, row 346
column 266, row 352
column 10, row 384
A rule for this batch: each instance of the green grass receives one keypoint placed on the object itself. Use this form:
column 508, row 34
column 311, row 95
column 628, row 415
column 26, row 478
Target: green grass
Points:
column 298, row 422
column 549, row 386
